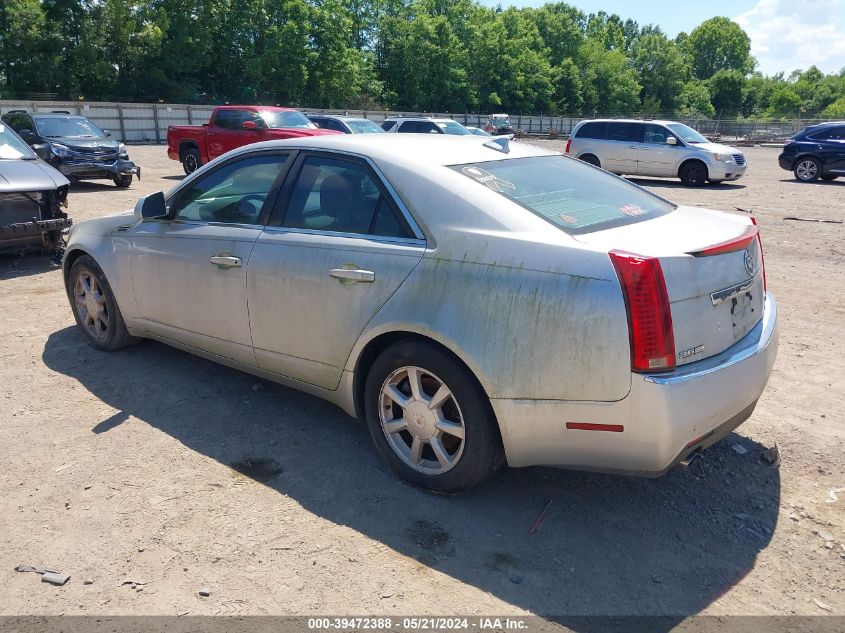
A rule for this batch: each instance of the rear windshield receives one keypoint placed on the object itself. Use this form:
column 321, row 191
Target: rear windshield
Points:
column 573, row 196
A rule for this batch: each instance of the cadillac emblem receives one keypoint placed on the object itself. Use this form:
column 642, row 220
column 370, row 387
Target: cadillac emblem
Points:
column 749, row 263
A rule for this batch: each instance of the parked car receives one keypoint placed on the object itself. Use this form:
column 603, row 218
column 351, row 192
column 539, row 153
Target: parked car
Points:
column 345, row 124
column 423, row 125
column 498, row 124
column 234, row 126
column 654, row 148
column 817, row 151
column 74, row 145
column 477, row 301
column 477, row 131
column 32, row 195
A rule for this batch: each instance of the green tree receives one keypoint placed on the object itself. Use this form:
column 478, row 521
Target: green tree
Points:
column 695, row 100
column 662, row 71
column 784, row 102
column 609, row 81
column 718, row 44
column 726, row 92
column 835, row 110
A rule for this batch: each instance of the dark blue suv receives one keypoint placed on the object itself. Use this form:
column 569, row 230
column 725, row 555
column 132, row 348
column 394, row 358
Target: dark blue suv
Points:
column 817, row 151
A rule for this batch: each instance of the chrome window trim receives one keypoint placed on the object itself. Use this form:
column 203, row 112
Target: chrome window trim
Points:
column 407, row 241
column 756, row 341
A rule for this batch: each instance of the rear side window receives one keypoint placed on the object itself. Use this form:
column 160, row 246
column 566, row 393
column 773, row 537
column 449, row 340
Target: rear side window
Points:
column 628, row 132
column 573, row 196
column 386, row 125
column 595, row 129
column 233, row 119
column 829, row 134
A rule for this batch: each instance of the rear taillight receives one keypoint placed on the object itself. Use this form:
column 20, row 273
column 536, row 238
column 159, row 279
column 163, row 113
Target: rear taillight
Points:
column 762, row 256
column 568, row 145
column 649, row 314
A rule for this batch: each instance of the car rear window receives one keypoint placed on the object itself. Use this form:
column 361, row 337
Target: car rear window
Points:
column 575, row 197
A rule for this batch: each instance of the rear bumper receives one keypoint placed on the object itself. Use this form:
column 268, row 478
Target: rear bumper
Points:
column 665, row 417
column 785, row 162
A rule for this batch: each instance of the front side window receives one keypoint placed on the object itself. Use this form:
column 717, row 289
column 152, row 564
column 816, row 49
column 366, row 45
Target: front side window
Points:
column 656, row 134
column 12, row 146
column 68, row 127
column 232, row 119
column 233, row 194
column 569, row 194
column 341, row 196
column 687, row 134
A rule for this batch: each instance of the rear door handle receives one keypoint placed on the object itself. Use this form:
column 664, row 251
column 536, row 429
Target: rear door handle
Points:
column 353, row 275
column 226, row 261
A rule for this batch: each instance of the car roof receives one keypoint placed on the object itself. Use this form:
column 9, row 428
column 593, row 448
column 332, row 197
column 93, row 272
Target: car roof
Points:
column 659, row 121
column 410, row 149
column 56, row 115
column 420, row 118
column 825, row 124
column 255, row 107
column 339, row 117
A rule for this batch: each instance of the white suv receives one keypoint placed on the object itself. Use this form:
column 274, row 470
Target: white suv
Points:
column 654, row 148
column 423, row 125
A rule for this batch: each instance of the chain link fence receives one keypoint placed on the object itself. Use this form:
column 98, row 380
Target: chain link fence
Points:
column 148, row 122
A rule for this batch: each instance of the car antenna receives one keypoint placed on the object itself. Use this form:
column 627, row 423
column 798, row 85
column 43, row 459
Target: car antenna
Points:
column 499, row 144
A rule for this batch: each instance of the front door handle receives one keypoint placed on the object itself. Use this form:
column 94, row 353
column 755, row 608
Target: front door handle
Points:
column 632, row 147
column 226, row 261
column 353, row 275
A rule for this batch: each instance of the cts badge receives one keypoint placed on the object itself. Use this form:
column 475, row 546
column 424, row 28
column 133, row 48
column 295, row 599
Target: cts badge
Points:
column 749, row 263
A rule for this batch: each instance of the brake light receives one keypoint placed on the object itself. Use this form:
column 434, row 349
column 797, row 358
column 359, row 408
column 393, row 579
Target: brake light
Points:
column 649, row 314
column 762, row 255
column 568, row 144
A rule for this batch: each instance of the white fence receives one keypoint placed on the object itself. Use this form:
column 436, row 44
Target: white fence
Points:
column 148, row 122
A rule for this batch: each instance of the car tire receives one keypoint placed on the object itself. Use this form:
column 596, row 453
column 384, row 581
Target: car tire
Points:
column 124, row 182
column 829, row 177
column 590, row 159
column 191, row 160
column 447, row 448
column 88, row 290
column 693, row 173
column 807, row 169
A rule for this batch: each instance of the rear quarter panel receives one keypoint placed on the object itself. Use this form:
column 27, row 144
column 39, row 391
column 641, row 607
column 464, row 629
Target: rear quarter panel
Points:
column 525, row 333
column 177, row 134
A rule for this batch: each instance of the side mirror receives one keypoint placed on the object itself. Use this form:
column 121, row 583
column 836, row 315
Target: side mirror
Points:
column 106, row 133
column 151, row 206
column 249, row 125
column 671, row 140
column 26, row 135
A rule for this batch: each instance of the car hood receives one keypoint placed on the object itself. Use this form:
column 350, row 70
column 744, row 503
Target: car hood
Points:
column 716, row 148
column 103, row 143
column 29, row 175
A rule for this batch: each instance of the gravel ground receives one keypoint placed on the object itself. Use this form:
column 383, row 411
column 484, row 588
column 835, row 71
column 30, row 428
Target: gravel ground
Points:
column 155, row 474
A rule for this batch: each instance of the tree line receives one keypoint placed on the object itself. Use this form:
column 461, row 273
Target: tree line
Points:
column 413, row 55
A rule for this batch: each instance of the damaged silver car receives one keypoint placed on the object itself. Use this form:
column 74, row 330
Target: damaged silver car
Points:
column 32, row 195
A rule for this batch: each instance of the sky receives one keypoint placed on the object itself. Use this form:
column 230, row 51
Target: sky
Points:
column 785, row 35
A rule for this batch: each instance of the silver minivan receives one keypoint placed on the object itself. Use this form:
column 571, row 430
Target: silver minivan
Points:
column 654, row 148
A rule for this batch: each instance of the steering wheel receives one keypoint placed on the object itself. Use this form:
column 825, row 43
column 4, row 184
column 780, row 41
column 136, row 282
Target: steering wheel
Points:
column 239, row 212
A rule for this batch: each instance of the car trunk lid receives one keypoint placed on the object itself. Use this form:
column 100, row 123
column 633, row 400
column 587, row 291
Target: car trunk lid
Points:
column 713, row 270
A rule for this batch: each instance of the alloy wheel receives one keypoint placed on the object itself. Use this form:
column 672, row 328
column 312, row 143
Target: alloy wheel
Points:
column 422, row 420
column 90, row 304
column 806, row 170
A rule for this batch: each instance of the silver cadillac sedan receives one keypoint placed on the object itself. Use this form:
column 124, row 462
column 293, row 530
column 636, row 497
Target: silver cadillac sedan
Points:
column 479, row 302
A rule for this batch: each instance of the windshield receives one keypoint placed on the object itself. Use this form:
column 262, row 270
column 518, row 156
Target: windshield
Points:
column 70, row 127
column 12, row 147
column 687, row 134
column 284, row 119
column 571, row 195
column 453, row 127
column 363, row 126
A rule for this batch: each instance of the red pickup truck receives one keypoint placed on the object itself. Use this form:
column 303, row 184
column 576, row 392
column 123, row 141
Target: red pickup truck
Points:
column 234, row 126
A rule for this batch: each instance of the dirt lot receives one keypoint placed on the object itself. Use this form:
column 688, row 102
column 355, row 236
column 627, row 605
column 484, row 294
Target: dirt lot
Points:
column 154, row 467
